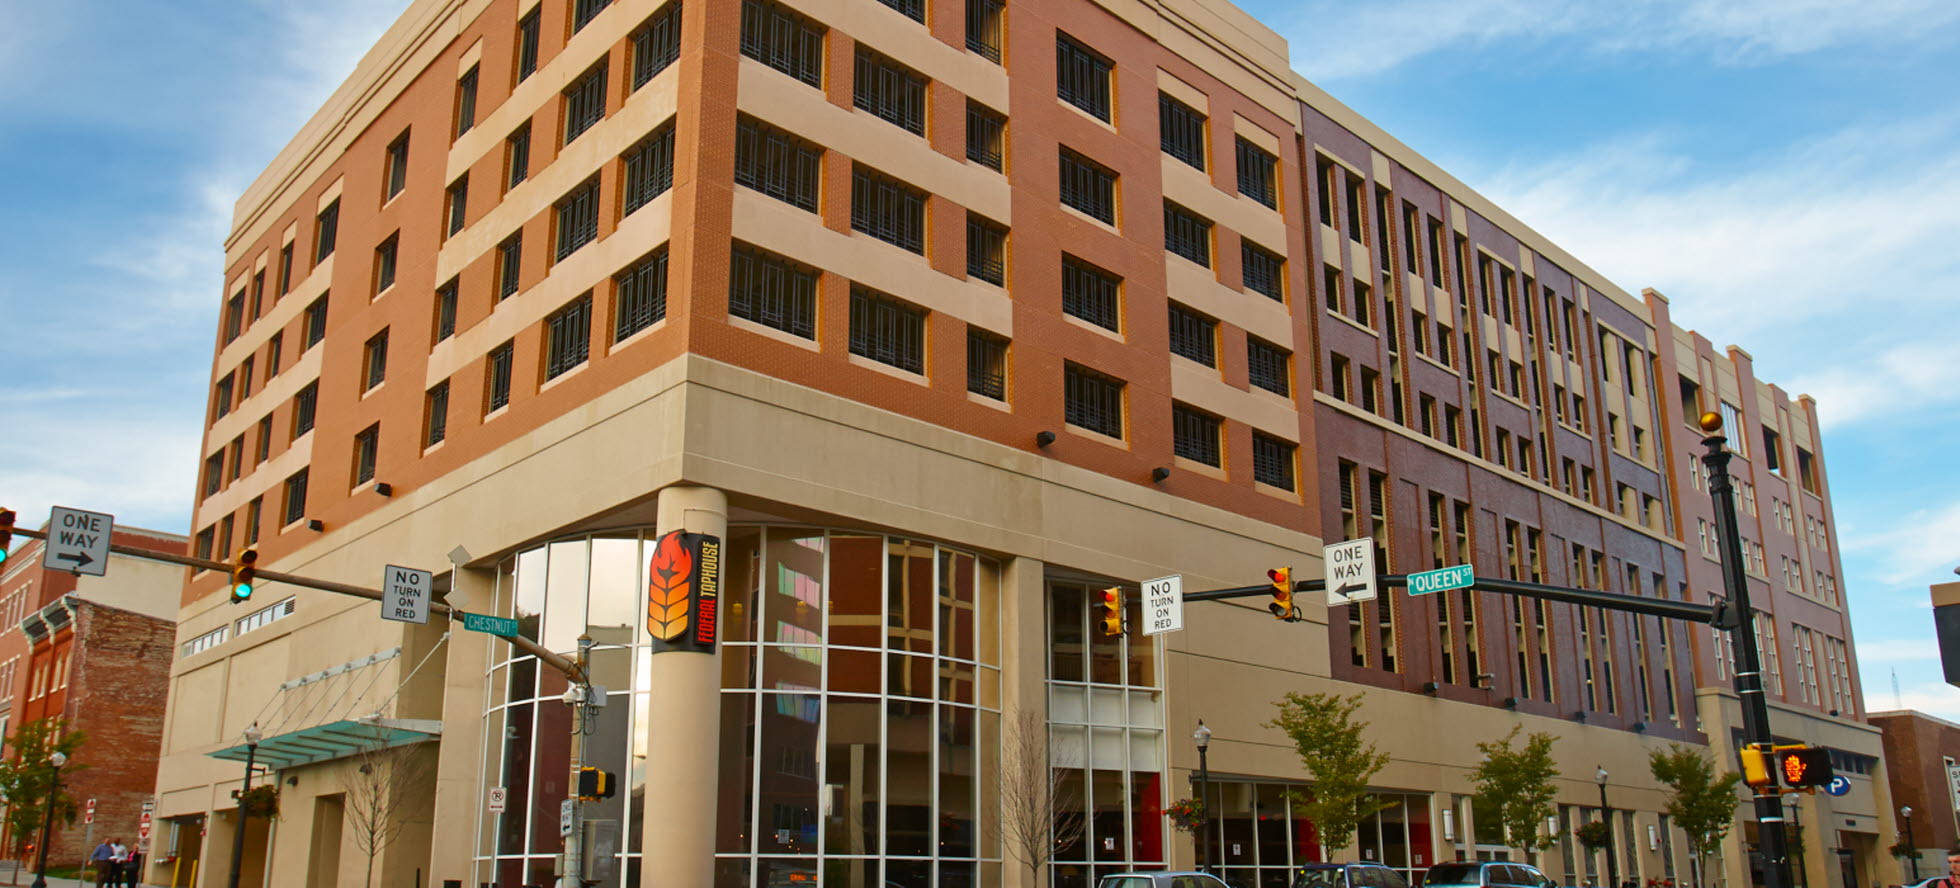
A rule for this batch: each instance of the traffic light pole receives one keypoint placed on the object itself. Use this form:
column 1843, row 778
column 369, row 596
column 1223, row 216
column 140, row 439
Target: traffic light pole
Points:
column 1740, row 620
column 581, row 726
column 572, row 671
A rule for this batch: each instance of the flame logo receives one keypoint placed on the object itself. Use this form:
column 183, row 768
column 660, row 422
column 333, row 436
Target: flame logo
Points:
column 669, row 584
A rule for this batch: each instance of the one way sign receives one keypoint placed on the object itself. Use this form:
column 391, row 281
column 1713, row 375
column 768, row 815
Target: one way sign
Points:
column 78, row 541
column 1350, row 567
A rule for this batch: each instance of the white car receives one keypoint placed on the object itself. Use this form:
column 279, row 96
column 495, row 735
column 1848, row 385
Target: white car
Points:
column 1161, row 880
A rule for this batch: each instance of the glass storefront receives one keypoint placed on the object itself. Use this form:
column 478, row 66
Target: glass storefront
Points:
column 1259, row 834
column 860, row 717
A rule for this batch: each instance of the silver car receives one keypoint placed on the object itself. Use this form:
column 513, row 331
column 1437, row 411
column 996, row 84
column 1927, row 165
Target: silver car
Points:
column 1161, row 880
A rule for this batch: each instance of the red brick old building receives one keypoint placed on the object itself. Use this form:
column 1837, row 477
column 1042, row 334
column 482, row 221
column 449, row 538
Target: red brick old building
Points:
column 1922, row 755
column 95, row 651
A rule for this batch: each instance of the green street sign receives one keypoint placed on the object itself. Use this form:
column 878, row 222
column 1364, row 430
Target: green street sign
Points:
column 1441, row 579
column 503, row 626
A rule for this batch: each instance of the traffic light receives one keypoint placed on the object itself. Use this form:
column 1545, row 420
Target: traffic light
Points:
column 1755, row 767
column 6, row 533
column 1112, row 611
column 594, row 784
column 1282, row 606
column 1806, row 766
column 244, row 569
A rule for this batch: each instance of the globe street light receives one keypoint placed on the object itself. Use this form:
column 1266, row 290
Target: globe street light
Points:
column 1606, row 819
column 47, row 818
column 1202, row 736
column 1905, row 813
column 252, row 737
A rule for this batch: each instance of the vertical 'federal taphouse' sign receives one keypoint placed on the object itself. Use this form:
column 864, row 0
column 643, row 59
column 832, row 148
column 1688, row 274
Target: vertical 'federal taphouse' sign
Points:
column 683, row 592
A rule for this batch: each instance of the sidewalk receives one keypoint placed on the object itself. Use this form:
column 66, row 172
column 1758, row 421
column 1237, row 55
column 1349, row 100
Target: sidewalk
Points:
column 27, row 878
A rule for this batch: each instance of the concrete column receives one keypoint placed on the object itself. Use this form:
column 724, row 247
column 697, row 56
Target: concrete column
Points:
column 683, row 729
column 1024, row 668
column 459, row 812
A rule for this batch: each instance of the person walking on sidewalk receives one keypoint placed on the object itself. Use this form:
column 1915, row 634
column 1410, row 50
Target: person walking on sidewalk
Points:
column 118, row 861
column 104, row 860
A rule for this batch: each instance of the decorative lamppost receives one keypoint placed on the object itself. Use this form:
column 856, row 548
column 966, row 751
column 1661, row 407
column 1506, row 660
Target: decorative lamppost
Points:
column 252, row 737
column 1606, row 818
column 1202, row 736
column 1905, row 813
column 47, row 818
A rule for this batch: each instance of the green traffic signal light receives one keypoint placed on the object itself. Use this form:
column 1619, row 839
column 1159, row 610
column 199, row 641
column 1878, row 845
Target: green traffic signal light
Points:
column 241, row 592
column 6, row 532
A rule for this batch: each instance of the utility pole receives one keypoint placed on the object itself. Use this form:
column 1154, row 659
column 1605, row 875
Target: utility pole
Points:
column 1739, row 618
column 580, row 696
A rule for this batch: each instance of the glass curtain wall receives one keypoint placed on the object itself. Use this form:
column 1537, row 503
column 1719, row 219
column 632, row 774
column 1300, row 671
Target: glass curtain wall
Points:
column 1259, row 834
column 860, row 717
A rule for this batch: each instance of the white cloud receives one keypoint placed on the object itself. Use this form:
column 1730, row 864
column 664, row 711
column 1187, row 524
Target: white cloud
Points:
column 136, row 461
column 1937, row 699
column 1339, row 39
column 1910, row 376
column 1910, row 650
column 1918, row 548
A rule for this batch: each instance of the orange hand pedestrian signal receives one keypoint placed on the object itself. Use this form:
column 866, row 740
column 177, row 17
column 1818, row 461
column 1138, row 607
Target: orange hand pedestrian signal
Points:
column 1808, row 766
column 1112, row 611
column 1282, row 606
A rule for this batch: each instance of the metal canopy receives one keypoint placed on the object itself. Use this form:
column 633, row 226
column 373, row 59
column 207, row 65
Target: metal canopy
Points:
column 335, row 740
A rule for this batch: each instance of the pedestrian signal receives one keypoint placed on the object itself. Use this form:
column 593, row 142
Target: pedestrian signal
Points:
column 1808, row 766
column 594, row 784
column 1755, row 767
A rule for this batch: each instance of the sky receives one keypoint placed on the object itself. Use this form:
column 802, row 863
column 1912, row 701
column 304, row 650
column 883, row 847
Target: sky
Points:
column 1787, row 172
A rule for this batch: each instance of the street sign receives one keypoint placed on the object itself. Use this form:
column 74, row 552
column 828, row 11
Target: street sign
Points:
column 497, row 797
column 88, row 812
column 78, row 541
column 503, row 626
column 1442, row 579
column 1350, row 567
column 1839, row 785
column 405, row 594
column 565, row 818
column 1163, row 605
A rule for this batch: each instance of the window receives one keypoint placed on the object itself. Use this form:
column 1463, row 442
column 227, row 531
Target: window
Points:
column 1772, row 450
column 640, row 295
column 1330, row 287
column 983, row 27
column 656, row 44
column 446, row 311
column 1194, row 435
column 459, row 202
column 649, row 169
column 234, row 316
column 221, row 396
column 912, row 9
column 375, row 358
column 296, row 497
column 783, row 40
column 258, row 295
column 888, row 209
column 1181, row 129
column 1091, row 293
column 578, row 218
column 1272, row 461
column 325, row 230
column 1357, row 226
column 986, row 364
column 1193, row 335
column 777, row 164
column 585, row 102
column 986, row 135
column 527, row 44
column 1807, row 470
column 304, row 405
column 886, row 330
column 517, row 156
column 568, row 336
column 583, row 12
column 1082, row 77
column 209, row 639
column 1092, row 401
column 1266, row 366
column 497, row 369
column 466, row 101
column 1187, row 234
column 1258, row 173
column 1088, row 186
column 367, row 446
column 435, row 422
column 1262, row 271
column 1732, row 426
column 892, row 92
column 262, row 446
column 773, row 291
column 384, row 263
column 1341, row 378
column 397, row 172
column 285, row 269
column 510, row 262
column 264, row 616
column 986, row 249
column 254, row 512
column 214, row 473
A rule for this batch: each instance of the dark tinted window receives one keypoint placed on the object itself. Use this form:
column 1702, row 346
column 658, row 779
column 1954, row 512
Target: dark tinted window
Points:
column 1454, row 874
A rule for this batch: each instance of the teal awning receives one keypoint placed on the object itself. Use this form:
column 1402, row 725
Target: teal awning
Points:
column 335, row 740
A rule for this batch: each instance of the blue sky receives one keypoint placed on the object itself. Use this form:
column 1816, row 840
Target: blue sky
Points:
column 1787, row 171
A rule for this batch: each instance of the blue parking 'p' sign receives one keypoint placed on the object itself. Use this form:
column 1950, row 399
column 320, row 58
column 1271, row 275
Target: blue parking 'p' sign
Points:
column 1838, row 786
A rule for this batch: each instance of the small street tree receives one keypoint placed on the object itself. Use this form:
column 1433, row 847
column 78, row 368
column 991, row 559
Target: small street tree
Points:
column 377, row 797
column 26, row 778
column 1701, row 803
column 1039, row 814
column 1516, row 785
column 1329, row 740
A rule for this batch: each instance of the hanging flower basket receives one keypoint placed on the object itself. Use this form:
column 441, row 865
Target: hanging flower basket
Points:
column 1187, row 814
column 1595, row 834
column 260, row 801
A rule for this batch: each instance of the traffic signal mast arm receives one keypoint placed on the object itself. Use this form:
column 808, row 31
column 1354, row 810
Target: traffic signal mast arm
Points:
column 1653, row 607
column 556, row 661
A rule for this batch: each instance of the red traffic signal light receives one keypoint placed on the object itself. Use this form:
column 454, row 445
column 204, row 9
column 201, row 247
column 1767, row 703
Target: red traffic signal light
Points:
column 6, row 532
column 1282, row 606
column 1112, row 611
column 1806, row 766
column 243, row 571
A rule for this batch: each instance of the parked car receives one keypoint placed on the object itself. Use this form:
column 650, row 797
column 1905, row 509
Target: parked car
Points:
column 1347, row 875
column 1486, row 874
column 1161, row 880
